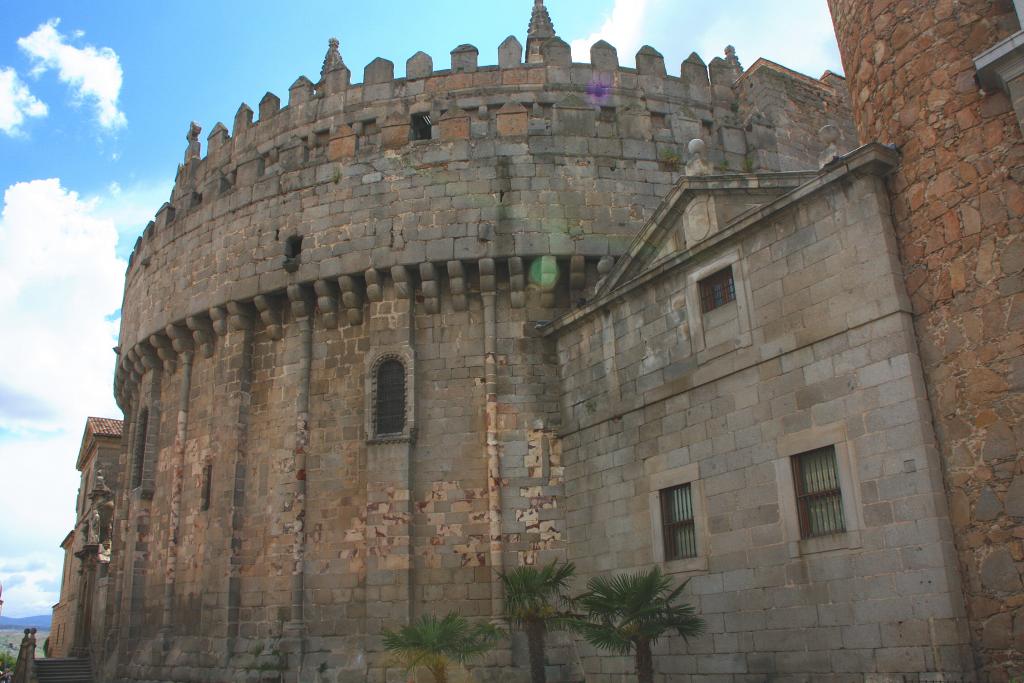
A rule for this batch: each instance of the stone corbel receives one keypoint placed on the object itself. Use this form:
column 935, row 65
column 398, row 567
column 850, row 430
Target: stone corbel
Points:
column 164, row 350
column 181, row 338
column 517, row 282
column 374, row 285
column 400, row 276
column 431, row 288
column 148, row 356
column 457, row 285
column 547, row 279
column 351, row 299
column 327, row 301
column 270, row 315
column 302, row 301
column 219, row 318
column 488, row 283
column 202, row 333
column 240, row 316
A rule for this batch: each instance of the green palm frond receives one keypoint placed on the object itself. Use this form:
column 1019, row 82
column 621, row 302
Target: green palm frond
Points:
column 628, row 608
column 430, row 641
column 533, row 594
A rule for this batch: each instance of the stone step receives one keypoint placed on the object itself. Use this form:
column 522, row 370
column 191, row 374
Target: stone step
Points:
column 63, row 670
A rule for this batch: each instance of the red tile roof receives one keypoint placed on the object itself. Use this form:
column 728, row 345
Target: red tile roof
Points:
column 105, row 426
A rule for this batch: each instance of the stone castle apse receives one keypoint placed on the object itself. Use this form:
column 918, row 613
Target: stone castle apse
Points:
column 396, row 337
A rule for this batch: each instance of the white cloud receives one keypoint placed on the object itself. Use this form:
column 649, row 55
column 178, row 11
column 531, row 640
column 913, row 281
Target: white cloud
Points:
column 62, row 287
column 16, row 102
column 32, row 583
column 797, row 34
column 93, row 73
column 623, row 28
column 801, row 38
column 61, row 281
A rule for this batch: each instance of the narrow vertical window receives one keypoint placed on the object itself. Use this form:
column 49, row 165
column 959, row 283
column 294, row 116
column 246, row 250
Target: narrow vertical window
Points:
column 717, row 290
column 819, row 500
column 207, row 477
column 139, row 455
column 678, row 533
column 390, row 398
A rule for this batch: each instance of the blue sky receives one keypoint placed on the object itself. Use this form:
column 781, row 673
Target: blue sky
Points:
column 95, row 102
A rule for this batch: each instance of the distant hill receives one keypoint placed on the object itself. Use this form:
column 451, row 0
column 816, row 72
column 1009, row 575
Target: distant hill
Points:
column 41, row 621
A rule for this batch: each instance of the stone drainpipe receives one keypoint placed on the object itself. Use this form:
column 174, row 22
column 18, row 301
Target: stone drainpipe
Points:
column 170, row 573
column 488, row 294
column 302, row 308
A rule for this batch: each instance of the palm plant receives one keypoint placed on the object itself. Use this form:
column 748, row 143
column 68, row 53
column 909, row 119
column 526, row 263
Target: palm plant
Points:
column 535, row 602
column 630, row 612
column 436, row 643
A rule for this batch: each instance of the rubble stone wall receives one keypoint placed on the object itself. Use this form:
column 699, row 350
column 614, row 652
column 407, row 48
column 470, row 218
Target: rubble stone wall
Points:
column 958, row 205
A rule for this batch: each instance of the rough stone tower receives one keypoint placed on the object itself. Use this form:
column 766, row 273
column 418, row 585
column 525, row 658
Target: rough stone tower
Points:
column 957, row 204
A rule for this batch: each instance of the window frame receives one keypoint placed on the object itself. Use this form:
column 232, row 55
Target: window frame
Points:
column 404, row 356
column 668, row 525
column 808, row 440
column 708, row 289
column 695, row 316
column 804, row 497
column 421, row 126
column 666, row 480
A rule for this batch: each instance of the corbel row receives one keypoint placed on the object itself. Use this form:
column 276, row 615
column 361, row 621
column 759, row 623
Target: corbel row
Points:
column 348, row 295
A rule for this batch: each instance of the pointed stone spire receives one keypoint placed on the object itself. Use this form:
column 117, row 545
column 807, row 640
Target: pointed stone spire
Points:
column 332, row 60
column 334, row 76
column 541, row 29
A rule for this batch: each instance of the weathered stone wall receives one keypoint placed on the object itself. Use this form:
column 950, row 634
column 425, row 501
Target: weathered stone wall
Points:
column 576, row 177
column 250, row 354
column 785, row 112
column 958, row 207
column 829, row 358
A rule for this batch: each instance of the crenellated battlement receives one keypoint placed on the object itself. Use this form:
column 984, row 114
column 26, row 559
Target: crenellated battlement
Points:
column 466, row 101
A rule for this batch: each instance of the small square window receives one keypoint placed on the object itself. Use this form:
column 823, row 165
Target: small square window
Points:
column 678, row 532
column 717, row 290
column 819, row 501
column 420, row 127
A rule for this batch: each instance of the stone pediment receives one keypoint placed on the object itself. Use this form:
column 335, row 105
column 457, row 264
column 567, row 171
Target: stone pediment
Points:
column 697, row 208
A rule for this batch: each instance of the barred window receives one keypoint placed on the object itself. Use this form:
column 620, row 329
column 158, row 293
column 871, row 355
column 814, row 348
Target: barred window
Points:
column 819, row 501
column 678, row 533
column 420, row 127
column 717, row 290
column 139, row 455
column 390, row 398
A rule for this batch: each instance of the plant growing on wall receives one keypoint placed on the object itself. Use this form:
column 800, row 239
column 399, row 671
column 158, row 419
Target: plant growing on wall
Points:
column 629, row 613
column 670, row 159
column 435, row 644
column 536, row 602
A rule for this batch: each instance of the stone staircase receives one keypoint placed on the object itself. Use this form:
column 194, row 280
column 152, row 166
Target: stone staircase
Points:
column 63, row 670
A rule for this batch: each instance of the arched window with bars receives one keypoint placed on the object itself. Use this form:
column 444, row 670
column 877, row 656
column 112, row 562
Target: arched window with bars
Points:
column 389, row 398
